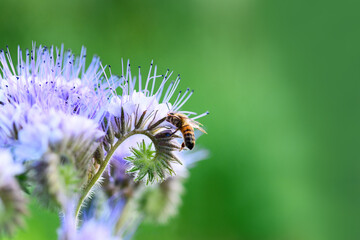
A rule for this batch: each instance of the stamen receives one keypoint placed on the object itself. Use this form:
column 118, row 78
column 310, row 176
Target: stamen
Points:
column 10, row 61
column 160, row 90
column 122, row 67
column 167, row 91
column 153, row 84
column 148, row 78
column 131, row 80
column 103, row 71
column 176, row 99
column 184, row 100
column 188, row 112
column 177, row 81
column 140, row 83
column 201, row 115
column 176, row 103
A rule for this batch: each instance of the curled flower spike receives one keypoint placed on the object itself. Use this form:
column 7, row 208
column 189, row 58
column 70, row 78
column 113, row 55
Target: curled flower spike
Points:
column 55, row 182
column 146, row 162
column 13, row 205
column 74, row 137
column 60, row 148
column 158, row 203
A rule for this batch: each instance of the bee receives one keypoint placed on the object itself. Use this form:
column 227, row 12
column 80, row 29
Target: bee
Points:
column 186, row 126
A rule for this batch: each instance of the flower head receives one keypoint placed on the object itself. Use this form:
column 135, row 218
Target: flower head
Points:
column 53, row 78
column 92, row 229
column 60, row 149
column 51, row 110
column 71, row 135
column 143, row 110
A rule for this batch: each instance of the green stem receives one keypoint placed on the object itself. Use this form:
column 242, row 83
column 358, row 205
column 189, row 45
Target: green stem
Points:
column 104, row 165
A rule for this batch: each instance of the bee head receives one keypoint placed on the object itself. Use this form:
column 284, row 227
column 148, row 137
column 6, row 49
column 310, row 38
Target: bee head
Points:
column 170, row 116
column 174, row 119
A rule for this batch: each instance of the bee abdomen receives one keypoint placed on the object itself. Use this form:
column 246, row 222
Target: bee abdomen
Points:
column 189, row 140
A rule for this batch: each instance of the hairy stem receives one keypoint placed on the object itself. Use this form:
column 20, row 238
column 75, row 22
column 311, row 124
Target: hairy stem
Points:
column 103, row 166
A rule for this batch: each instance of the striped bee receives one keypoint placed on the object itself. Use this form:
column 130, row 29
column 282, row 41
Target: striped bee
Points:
column 186, row 126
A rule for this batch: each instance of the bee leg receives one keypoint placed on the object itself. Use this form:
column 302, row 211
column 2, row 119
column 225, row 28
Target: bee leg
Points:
column 182, row 146
column 174, row 132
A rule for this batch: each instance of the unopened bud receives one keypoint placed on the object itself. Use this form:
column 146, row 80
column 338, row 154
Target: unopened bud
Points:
column 110, row 135
column 99, row 154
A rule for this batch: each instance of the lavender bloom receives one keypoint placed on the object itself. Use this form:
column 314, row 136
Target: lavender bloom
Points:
column 54, row 131
column 60, row 148
column 51, row 109
column 143, row 111
column 49, row 79
column 52, row 78
column 11, row 117
column 92, row 229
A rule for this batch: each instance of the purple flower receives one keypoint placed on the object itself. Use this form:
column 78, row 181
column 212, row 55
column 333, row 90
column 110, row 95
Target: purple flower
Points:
column 143, row 110
column 99, row 226
column 57, row 132
column 148, row 103
column 52, row 78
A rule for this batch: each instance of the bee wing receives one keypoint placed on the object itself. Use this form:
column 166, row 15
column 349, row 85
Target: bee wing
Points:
column 197, row 125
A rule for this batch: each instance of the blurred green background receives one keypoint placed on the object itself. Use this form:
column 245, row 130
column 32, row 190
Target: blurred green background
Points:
column 281, row 80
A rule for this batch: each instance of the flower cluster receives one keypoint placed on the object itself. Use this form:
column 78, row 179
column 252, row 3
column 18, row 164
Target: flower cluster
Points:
column 95, row 147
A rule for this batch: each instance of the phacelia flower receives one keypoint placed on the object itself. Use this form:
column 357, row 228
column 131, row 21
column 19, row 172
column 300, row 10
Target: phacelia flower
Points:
column 52, row 78
column 60, row 148
column 91, row 229
column 143, row 110
column 51, row 110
